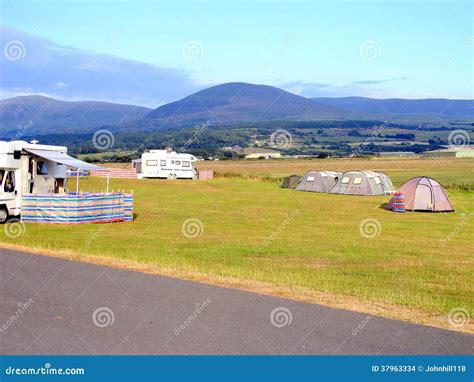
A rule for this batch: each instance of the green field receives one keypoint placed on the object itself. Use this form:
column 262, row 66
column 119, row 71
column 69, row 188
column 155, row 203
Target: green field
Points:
column 306, row 246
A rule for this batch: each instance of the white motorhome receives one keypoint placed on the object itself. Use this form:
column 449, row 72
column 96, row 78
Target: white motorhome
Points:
column 166, row 164
column 29, row 168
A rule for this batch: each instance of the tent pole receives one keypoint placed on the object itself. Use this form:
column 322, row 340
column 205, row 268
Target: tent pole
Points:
column 77, row 180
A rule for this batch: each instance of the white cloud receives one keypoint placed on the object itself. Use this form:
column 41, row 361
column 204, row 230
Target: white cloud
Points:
column 61, row 84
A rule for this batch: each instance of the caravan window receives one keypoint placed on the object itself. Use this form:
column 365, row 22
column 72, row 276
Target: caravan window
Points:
column 162, row 162
column 357, row 181
column 2, row 172
column 41, row 168
column 9, row 182
column 152, row 163
column 177, row 162
column 186, row 163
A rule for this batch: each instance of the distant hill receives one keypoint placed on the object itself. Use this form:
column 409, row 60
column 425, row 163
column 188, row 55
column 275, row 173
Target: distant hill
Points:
column 48, row 115
column 403, row 108
column 241, row 102
column 232, row 104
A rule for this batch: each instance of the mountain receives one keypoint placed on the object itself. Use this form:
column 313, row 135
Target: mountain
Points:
column 237, row 102
column 48, row 115
column 403, row 108
column 227, row 104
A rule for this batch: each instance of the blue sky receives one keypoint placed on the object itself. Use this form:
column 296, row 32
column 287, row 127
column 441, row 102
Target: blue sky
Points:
column 152, row 52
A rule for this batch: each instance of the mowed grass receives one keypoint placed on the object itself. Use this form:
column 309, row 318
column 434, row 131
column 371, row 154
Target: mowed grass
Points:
column 307, row 246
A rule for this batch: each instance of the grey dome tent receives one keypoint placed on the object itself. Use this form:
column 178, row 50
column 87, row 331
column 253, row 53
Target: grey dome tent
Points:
column 366, row 183
column 318, row 181
column 291, row 181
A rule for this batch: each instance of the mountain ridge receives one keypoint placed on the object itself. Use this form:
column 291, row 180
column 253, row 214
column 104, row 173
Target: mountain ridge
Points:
column 233, row 103
column 51, row 115
column 441, row 107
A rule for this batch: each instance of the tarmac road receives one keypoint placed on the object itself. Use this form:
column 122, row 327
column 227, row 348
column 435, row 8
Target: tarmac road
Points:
column 55, row 306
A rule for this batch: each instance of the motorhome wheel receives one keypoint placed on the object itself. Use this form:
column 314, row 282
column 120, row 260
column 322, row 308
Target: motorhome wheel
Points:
column 3, row 215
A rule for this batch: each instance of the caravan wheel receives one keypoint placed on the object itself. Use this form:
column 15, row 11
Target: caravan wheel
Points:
column 3, row 215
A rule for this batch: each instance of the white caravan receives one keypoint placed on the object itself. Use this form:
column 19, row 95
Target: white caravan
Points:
column 167, row 164
column 29, row 168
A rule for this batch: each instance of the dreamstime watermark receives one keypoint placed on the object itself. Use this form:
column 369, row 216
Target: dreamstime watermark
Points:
column 370, row 228
column 22, row 308
column 458, row 139
column 377, row 131
column 465, row 44
column 361, row 326
column 103, row 317
column 14, row 228
column 14, row 50
column 460, row 226
column 192, row 50
column 281, row 317
column 281, row 139
column 458, row 317
column 198, row 131
column 281, row 227
column 369, row 50
column 196, row 312
column 90, row 239
column 103, row 139
column 44, row 370
column 192, row 228
column 289, row 41
column 22, row 130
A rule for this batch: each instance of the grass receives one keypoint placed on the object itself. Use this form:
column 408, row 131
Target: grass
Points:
column 307, row 246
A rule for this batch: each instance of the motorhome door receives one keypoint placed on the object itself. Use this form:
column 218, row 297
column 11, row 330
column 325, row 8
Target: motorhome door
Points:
column 9, row 191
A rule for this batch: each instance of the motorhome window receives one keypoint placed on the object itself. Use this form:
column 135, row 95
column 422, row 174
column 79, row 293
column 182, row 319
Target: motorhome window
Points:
column 178, row 162
column 41, row 168
column 162, row 163
column 9, row 182
column 186, row 163
column 152, row 163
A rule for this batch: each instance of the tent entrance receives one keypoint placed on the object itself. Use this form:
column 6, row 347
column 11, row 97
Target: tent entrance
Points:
column 423, row 198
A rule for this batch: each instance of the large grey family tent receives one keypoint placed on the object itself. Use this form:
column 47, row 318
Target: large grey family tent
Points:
column 291, row 181
column 363, row 183
column 424, row 194
column 318, row 181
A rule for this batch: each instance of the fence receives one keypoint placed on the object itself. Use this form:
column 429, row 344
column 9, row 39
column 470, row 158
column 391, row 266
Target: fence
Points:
column 205, row 174
column 77, row 208
column 126, row 173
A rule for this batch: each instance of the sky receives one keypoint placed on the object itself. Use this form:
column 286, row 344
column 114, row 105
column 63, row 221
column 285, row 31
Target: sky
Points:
column 154, row 52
